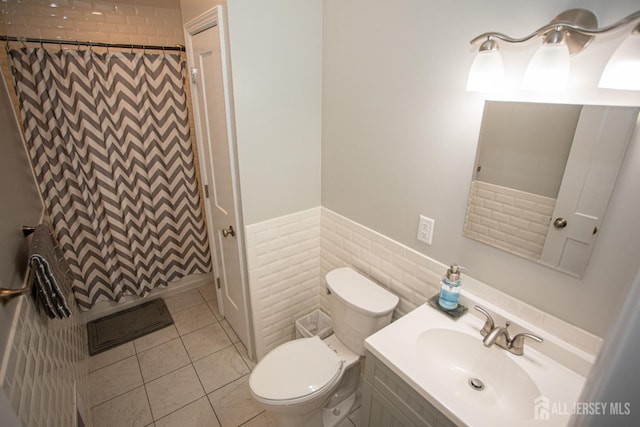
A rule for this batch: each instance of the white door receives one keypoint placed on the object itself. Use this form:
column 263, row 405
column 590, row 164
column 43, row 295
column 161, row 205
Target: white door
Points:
column 599, row 146
column 211, row 91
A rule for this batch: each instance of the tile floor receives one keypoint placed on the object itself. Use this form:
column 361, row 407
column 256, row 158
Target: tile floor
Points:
column 192, row 374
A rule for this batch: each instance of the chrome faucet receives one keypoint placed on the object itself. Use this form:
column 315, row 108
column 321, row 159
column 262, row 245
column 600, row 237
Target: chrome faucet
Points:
column 500, row 335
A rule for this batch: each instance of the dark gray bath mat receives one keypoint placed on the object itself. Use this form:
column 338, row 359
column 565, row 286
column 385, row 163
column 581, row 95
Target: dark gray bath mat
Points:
column 127, row 325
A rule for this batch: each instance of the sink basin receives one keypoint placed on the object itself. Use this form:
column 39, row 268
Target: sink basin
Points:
column 437, row 356
column 484, row 378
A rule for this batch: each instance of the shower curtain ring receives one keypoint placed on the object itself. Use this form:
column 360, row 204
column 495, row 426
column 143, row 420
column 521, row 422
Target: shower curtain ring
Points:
column 6, row 46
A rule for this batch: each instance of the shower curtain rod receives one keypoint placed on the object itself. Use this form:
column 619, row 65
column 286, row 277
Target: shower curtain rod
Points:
column 177, row 47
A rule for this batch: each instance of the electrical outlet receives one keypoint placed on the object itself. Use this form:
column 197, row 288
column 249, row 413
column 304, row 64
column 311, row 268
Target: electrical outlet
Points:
column 425, row 229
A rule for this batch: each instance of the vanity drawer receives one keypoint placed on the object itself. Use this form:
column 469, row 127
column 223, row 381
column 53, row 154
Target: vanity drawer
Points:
column 402, row 406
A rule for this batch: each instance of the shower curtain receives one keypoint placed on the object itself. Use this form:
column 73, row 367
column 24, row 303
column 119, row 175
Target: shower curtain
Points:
column 108, row 137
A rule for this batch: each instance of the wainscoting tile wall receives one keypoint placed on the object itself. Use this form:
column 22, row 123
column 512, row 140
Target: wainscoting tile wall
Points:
column 286, row 275
column 47, row 370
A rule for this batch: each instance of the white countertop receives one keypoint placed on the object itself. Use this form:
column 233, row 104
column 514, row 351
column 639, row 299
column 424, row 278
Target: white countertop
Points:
column 396, row 346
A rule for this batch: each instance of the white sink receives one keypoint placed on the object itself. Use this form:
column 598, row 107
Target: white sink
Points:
column 485, row 378
column 437, row 356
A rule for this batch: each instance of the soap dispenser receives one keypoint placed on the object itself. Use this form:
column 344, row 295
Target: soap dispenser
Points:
column 450, row 288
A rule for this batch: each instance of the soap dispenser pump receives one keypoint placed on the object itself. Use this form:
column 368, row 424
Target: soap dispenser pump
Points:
column 450, row 288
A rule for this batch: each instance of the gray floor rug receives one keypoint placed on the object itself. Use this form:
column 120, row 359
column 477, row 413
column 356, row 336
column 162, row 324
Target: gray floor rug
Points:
column 127, row 325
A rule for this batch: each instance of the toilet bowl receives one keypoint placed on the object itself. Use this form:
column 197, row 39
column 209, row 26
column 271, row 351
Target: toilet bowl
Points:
column 312, row 382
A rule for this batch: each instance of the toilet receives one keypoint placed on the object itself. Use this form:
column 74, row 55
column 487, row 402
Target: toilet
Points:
column 312, row 382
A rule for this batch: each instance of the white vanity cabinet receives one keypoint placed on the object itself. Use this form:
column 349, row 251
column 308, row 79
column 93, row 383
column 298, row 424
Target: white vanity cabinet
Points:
column 388, row 401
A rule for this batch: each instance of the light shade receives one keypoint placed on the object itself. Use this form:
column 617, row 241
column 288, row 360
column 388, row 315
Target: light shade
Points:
column 486, row 73
column 623, row 69
column 548, row 70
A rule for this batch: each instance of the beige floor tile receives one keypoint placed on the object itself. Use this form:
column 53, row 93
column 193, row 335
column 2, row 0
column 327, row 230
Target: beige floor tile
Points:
column 173, row 391
column 262, row 420
column 114, row 380
column 205, row 341
column 213, row 305
column 193, row 318
column 233, row 403
column 220, row 369
column 184, row 300
column 162, row 359
column 229, row 330
column 196, row 414
column 155, row 338
column 245, row 355
column 113, row 355
column 208, row 292
column 130, row 409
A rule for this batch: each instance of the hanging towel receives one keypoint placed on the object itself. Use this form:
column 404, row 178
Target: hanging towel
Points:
column 50, row 273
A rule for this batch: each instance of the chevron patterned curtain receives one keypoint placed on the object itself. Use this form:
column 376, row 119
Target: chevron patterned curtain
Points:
column 108, row 137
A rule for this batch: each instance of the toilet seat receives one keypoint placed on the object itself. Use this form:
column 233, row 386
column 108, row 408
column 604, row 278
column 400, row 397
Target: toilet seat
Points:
column 295, row 371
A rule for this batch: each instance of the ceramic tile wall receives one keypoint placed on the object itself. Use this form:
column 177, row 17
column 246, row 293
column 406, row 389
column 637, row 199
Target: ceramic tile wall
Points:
column 284, row 275
column 47, row 363
column 406, row 273
column 287, row 277
column 513, row 220
column 414, row 277
column 142, row 22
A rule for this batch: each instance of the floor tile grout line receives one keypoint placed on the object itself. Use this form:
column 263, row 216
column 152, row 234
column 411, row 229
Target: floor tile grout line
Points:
column 206, row 395
column 157, row 345
column 116, row 396
column 146, row 393
column 251, row 419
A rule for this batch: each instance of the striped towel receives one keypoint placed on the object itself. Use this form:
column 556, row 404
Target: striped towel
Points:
column 50, row 273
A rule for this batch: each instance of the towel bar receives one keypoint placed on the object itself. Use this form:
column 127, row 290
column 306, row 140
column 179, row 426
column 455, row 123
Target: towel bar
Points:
column 5, row 293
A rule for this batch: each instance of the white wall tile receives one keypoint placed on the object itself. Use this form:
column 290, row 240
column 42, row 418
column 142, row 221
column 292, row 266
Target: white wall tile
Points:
column 47, row 361
column 512, row 220
column 284, row 271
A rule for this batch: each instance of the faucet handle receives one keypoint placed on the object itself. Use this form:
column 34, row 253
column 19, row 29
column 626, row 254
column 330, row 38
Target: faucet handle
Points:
column 516, row 344
column 489, row 324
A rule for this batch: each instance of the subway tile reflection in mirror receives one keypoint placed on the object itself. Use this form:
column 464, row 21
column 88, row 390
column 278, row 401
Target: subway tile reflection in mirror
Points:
column 543, row 164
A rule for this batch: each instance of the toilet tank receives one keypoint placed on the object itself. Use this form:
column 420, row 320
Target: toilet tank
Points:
column 359, row 307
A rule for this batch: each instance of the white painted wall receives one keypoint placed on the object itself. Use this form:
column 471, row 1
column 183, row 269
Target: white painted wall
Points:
column 399, row 136
column 276, row 57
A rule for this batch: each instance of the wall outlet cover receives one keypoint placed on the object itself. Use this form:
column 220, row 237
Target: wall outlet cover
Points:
column 425, row 229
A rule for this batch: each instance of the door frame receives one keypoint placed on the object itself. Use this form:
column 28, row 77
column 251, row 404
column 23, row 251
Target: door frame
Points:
column 211, row 18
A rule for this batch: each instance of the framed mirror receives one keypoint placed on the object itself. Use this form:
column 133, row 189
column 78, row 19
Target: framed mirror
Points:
column 543, row 177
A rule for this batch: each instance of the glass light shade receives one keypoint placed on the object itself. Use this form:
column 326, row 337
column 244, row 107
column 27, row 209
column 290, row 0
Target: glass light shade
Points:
column 486, row 73
column 623, row 69
column 548, row 70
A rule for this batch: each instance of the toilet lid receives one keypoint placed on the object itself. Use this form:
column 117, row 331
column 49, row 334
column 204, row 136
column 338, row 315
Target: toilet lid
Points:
column 295, row 369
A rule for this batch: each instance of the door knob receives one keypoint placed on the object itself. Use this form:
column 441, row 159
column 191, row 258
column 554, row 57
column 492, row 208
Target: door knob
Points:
column 228, row 232
column 560, row 223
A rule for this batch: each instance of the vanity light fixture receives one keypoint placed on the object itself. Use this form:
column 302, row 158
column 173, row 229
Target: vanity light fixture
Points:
column 487, row 70
column 623, row 69
column 567, row 34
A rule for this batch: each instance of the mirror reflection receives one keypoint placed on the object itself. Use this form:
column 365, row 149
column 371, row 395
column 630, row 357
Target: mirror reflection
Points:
column 543, row 178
